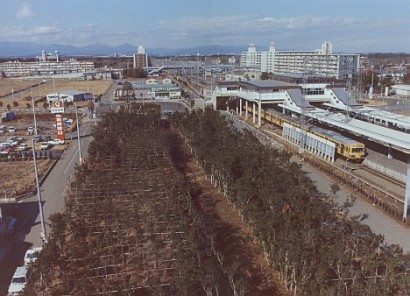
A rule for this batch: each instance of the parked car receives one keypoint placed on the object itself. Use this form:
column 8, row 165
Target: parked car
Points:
column 31, row 255
column 5, row 150
column 37, row 138
column 11, row 129
column 56, row 141
column 5, row 145
column 30, row 130
column 22, row 147
column 45, row 145
column 13, row 141
column 19, row 280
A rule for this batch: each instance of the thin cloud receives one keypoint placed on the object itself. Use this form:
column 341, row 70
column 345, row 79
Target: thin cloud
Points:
column 25, row 11
column 46, row 30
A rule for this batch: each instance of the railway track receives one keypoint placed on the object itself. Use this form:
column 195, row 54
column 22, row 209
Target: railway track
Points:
column 390, row 180
column 386, row 187
column 380, row 190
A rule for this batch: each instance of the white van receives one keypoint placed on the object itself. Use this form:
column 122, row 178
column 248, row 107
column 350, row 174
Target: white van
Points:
column 19, row 280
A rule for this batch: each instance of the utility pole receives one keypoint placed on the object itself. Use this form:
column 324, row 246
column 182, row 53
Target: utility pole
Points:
column 34, row 114
column 302, row 107
column 40, row 203
column 78, row 135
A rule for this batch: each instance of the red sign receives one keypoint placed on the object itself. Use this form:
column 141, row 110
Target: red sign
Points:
column 60, row 126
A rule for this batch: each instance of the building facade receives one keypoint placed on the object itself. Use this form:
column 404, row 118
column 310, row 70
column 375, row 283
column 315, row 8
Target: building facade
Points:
column 140, row 58
column 149, row 89
column 47, row 68
column 69, row 96
column 261, row 60
column 321, row 62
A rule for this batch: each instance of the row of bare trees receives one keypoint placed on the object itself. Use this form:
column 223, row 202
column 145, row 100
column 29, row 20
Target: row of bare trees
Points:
column 128, row 227
column 318, row 248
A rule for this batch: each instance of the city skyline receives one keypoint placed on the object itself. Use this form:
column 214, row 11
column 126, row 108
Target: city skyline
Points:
column 351, row 26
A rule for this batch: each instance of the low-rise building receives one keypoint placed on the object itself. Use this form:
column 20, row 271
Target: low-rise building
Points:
column 69, row 96
column 151, row 89
column 401, row 89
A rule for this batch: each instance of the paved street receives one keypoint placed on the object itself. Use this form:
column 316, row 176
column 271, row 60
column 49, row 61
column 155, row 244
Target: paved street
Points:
column 54, row 187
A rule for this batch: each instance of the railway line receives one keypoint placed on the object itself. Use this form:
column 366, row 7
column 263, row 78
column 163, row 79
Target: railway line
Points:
column 394, row 185
column 378, row 189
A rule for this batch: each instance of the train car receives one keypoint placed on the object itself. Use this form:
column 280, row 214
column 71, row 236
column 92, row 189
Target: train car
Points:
column 346, row 148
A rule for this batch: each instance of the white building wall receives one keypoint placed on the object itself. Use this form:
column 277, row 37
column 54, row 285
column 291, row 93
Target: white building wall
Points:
column 321, row 62
column 401, row 89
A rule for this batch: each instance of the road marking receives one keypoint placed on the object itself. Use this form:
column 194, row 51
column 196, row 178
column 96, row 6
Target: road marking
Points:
column 69, row 164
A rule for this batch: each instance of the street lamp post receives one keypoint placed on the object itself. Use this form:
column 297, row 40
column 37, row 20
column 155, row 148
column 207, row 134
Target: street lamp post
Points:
column 95, row 110
column 78, row 135
column 40, row 204
column 34, row 115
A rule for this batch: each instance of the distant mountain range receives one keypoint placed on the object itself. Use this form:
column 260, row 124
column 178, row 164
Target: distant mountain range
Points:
column 27, row 49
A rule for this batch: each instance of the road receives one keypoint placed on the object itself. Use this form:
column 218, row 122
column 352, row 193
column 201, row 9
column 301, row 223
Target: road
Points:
column 55, row 185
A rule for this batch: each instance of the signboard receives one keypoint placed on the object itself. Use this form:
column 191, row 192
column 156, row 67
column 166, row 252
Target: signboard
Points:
column 60, row 126
column 164, row 88
column 57, row 107
column 55, row 110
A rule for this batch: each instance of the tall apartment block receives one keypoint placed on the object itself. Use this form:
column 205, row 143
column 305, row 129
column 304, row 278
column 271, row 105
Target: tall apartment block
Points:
column 321, row 62
column 140, row 58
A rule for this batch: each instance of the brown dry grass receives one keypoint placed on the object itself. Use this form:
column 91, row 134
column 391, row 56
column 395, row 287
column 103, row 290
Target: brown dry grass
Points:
column 7, row 85
column 22, row 178
column 58, row 85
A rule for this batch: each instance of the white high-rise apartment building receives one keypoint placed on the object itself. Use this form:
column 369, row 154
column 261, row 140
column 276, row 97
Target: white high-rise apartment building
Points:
column 321, row 62
column 261, row 60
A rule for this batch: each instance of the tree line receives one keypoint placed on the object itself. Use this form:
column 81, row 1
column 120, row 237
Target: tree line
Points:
column 318, row 248
column 129, row 227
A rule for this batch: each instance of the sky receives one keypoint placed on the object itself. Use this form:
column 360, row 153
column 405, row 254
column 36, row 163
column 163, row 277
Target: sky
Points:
column 353, row 26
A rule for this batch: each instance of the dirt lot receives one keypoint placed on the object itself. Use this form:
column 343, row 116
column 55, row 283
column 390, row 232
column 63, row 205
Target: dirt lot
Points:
column 22, row 177
column 24, row 88
column 16, row 85
column 18, row 177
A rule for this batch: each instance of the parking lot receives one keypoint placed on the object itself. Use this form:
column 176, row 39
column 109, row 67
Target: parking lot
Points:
column 16, row 151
